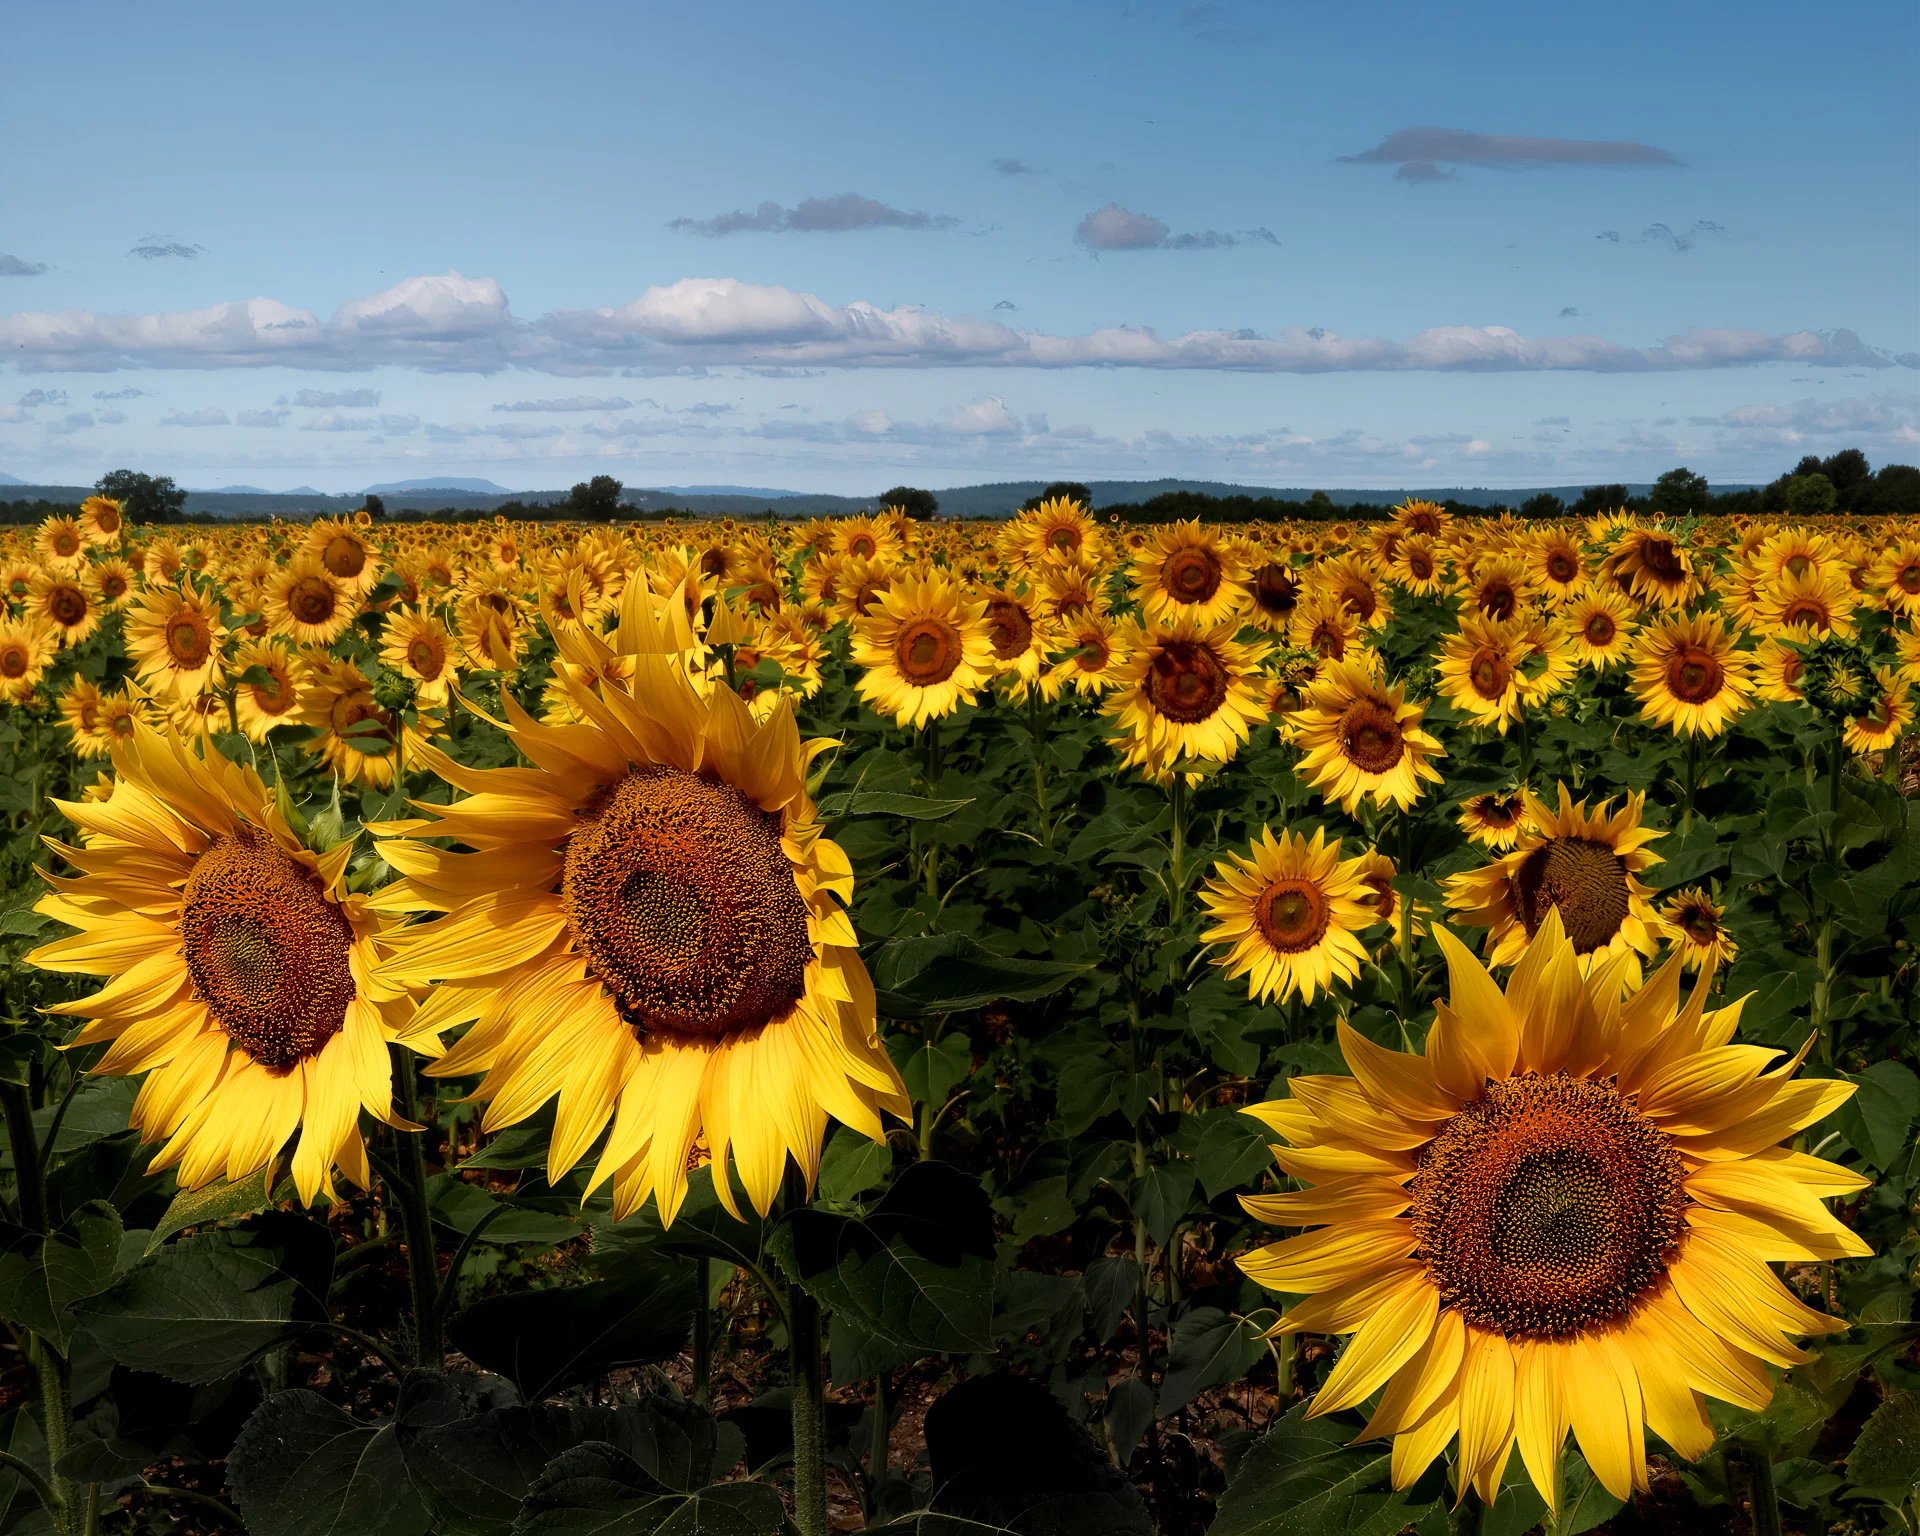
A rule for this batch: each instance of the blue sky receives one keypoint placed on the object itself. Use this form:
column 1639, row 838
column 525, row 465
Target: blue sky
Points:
column 837, row 247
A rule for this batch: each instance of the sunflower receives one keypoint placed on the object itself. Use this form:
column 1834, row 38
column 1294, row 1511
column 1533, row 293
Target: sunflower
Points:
column 1584, row 866
column 162, row 562
column 491, row 619
column 1091, row 649
column 1601, row 622
column 16, row 579
column 173, row 637
column 1816, row 602
column 1187, row 572
column 1480, row 669
column 1651, row 565
column 346, row 553
column 1896, row 578
column 1495, row 818
column 926, row 649
column 1422, row 517
column 418, row 646
column 1555, row 562
column 1417, row 566
column 1362, row 739
column 1059, row 529
column 357, row 738
column 1288, row 911
column 114, row 578
column 243, row 971
column 1883, row 716
column 1070, row 587
column 1776, row 672
column 1184, row 690
column 1351, row 581
column 79, row 705
column 649, row 927
column 101, row 522
column 308, row 602
column 1376, row 874
column 273, row 697
column 1688, row 676
column 1697, row 926
column 1273, row 592
column 66, row 604
column 1499, row 588
column 61, row 543
column 1324, row 624
column 1020, row 639
column 857, row 587
column 866, row 538
column 1558, row 1217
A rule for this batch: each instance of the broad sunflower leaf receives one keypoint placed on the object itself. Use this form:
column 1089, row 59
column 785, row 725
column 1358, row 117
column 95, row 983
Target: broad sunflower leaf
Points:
column 954, row 972
column 303, row 1467
column 548, row 1339
column 913, row 1278
column 1885, row 1459
column 1232, row 1152
column 1878, row 1119
column 1303, row 1478
column 206, row 1306
column 226, row 1200
column 598, row 1488
column 43, row 1279
column 1208, row 1348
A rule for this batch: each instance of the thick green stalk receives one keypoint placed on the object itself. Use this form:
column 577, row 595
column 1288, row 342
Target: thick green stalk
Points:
column 1747, row 1464
column 57, row 1408
column 17, row 1104
column 1039, row 766
column 702, row 1333
column 882, row 1426
column 808, row 1365
column 1177, row 856
column 429, row 1350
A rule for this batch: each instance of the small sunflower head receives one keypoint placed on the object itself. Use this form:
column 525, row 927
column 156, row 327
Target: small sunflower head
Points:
column 1835, row 676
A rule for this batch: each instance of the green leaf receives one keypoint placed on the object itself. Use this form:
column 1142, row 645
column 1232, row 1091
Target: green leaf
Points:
column 872, row 802
column 1111, row 1285
column 226, row 1200
column 1878, row 1119
column 916, row 1275
column 1208, row 1348
column 302, row 1467
column 932, row 1069
column 1885, row 1459
column 210, row 1304
column 1160, row 1198
column 548, row 1339
column 43, row 1280
column 461, row 1206
column 952, row 973
column 1303, row 1478
column 852, row 1165
column 599, row 1489
column 1232, row 1153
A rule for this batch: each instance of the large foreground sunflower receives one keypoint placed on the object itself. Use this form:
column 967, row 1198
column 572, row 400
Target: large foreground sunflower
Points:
column 242, row 970
column 1584, row 866
column 1560, row 1216
column 647, row 927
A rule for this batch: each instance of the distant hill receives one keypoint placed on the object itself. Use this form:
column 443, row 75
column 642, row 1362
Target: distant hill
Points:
column 442, row 483
column 9, row 480
column 240, row 490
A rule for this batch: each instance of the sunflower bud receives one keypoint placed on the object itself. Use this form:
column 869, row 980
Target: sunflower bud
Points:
column 395, row 692
column 1836, row 678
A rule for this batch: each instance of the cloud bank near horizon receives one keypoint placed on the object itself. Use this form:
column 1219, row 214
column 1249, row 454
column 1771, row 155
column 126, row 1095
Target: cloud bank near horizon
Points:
column 455, row 324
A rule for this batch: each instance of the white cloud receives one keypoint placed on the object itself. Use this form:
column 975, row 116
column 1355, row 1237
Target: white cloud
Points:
column 112, row 418
column 14, row 413
column 457, row 324
column 1113, row 228
column 571, row 403
column 79, row 421
column 267, row 418
column 209, row 416
column 350, row 399
column 1888, row 421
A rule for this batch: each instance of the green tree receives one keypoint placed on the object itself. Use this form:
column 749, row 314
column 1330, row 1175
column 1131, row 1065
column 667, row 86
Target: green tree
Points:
column 915, row 503
column 1895, row 492
column 1596, row 499
column 1846, row 469
column 598, row 497
column 1679, row 492
column 1546, row 504
column 143, row 498
column 1811, row 496
column 375, row 507
column 1069, row 490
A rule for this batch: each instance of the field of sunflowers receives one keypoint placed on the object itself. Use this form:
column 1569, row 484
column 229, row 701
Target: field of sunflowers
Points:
column 1051, row 1026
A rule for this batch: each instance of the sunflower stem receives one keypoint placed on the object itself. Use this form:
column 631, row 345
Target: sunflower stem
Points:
column 57, row 1410
column 1526, row 745
column 702, row 1394
column 882, row 1426
column 429, row 1351
column 1693, row 782
column 1177, row 850
column 16, row 1102
column 1748, row 1464
column 1039, row 765
column 807, row 1361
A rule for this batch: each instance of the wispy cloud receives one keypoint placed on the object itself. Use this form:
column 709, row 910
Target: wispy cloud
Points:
column 1114, row 228
column 209, row 416
column 332, row 399
column 39, row 397
column 1007, row 166
column 571, row 403
column 455, row 324
column 1210, row 22
column 157, row 248
column 815, row 215
column 261, row 418
column 1421, row 153
column 129, row 393
column 14, row 266
column 79, row 421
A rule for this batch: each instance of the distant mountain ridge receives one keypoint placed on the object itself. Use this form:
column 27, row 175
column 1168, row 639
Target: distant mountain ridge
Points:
column 998, row 499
